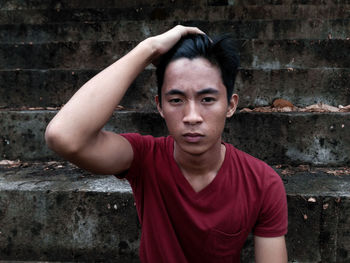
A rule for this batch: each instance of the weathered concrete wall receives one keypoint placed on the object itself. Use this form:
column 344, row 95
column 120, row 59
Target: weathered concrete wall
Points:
column 288, row 48
column 292, row 49
column 56, row 212
column 66, row 217
column 294, row 138
column 40, row 12
column 261, row 54
column 131, row 30
column 255, row 87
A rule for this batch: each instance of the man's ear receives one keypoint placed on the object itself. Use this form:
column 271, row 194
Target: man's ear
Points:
column 160, row 110
column 232, row 106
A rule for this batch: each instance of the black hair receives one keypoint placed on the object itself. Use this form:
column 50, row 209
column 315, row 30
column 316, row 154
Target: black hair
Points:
column 220, row 52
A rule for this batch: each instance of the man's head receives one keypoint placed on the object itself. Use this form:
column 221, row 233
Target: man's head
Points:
column 220, row 52
column 196, row 80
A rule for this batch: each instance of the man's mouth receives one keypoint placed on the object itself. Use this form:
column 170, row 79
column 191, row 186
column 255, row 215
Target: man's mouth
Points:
column 193, row 137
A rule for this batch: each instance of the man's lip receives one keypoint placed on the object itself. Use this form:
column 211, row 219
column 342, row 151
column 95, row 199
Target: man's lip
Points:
column 193, row 137
column 190, row 134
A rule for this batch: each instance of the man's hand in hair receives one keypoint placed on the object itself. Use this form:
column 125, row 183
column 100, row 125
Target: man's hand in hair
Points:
column 164, row 42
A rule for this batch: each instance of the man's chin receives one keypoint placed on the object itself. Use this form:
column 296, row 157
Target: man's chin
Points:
column 192, row 148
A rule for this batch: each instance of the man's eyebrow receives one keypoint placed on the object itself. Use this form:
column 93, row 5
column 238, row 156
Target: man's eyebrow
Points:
column 208, row 91
column 174, row 92
column 201, row 92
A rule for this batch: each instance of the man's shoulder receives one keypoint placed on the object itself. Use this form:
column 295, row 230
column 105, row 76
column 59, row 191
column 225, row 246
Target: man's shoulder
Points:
column 247, row 162
column 140, row 137
column 146, row 142
column 137, row 136
column 244, row 157
column 148, row 151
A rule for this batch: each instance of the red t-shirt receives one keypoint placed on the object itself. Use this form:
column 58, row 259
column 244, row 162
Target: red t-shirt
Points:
column 180, row 225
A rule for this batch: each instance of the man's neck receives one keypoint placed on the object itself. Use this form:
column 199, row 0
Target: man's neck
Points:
column 203, row 164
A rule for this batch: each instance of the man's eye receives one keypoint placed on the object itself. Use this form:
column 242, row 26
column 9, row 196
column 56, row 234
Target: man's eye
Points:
column 175, row 101
column 208, row 99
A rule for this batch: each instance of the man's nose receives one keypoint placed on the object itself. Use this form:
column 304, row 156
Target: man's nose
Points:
column 192, row 114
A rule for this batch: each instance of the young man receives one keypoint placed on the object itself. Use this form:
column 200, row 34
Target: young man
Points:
column 197, row 198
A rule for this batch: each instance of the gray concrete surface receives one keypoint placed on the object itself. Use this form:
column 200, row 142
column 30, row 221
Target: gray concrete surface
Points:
column 63, row 11
column 295, row 138
column 131, row 30
column 302, row 87
column 256, row 54
column 57, row 212
column 292, row 49
column 63, row 214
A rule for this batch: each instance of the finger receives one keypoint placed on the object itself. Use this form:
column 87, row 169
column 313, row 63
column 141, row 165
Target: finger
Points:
column 195, row 30
column 189, row 30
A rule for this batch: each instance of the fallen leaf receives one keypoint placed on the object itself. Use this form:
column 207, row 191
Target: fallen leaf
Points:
column 303, row 167
column 338, row 172
column 332, row 172
column 281, row 103
column 330, row 108
column 284, row 109
column 345, row 108
column 320, row 107
column 35, row 108
column 245, row 110
column 7, row 162
column 119, row 107
column 263, row 109
column 10, row 163
column 313, row 108
column 287, row 172
column 52, row 108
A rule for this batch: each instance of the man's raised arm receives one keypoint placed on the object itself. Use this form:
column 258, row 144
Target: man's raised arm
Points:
column 76, row 132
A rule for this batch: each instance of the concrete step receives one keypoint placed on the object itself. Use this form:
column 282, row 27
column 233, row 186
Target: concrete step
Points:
column 53, row 88
column 256, row 54
column 302, row 87
column 291, row 138
column 69, row 214
column 57, row 212
column 66, row 4
column 72, row 4
column 139, row 30
column 175, row 14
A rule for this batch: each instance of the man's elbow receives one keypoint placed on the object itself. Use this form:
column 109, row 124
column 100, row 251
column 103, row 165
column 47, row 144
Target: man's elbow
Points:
column 60, row 142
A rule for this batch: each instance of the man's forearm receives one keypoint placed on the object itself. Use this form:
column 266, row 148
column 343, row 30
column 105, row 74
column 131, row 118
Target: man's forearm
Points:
column 270, row 250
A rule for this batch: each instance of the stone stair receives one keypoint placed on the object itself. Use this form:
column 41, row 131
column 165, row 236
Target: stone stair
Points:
column 298, row 50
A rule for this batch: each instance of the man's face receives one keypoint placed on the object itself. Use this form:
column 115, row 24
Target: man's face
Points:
column 194, row 104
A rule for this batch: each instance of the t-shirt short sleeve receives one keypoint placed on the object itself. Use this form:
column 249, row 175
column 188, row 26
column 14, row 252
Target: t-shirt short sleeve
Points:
column 273, row 216
column 139, row 146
